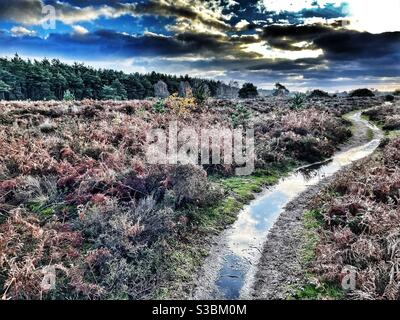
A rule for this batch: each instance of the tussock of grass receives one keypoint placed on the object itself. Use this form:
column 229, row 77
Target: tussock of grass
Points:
column 393, row 134
column 324, row 291
column 312, row 221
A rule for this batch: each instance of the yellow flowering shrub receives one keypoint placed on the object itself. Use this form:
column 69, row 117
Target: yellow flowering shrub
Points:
column 180, row 106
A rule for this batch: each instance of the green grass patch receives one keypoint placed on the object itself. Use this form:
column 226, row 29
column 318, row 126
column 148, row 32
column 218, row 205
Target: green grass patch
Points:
column 310, row 290
column 41, row 209
column 322, row 291
column 347, row 117
column 312, row 221
column 393, row 134
column 365, row 117
column 370, row 134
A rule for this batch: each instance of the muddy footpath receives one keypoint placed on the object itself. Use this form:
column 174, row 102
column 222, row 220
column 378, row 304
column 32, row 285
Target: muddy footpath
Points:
column 259, row 256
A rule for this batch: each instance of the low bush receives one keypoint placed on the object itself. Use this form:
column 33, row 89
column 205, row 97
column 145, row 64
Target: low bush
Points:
column 389, row 98
column 159, row 107
column 298, row 101
column 362, row 93
column 386, row 116
column 241, row 116
column 189, row 181
column 129, row 234
column 318, row 94
column 68, row 96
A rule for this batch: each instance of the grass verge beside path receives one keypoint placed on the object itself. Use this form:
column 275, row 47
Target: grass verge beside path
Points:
column 312, row 288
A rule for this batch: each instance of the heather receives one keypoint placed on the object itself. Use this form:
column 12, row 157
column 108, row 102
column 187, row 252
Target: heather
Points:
column 76, row 192
column 357, row 219
column 387, row 116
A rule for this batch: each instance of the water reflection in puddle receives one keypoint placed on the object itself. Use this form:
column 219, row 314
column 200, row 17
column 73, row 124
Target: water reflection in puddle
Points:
column 246, row 238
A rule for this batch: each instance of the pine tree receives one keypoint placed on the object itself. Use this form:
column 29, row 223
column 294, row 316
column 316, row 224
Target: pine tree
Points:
column 108, row 93
column 4, row 88
column 69, row 96
column 120, row 91
column 45, row 80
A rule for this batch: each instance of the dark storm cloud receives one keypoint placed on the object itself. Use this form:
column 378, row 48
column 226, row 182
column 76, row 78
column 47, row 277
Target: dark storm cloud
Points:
column 29, row 12
column 190, row 10
column 86, row 3
column 20, row 10
column 284, row 37
column 294, row 32
column 114, row 44
column 348, row 45
column 337, row 44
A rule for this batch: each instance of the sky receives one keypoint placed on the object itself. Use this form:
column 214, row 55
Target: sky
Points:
column 328, row 44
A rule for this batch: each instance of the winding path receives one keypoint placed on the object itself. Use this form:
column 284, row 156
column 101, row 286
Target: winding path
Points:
column 257, row 257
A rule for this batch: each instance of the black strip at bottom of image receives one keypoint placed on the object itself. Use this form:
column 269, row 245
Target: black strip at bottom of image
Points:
column 223, row 309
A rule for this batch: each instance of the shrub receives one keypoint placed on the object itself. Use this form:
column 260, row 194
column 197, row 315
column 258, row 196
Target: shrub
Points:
column 389, row 98
column 129, row 235
column 248, row 91
column 297, row 102
column 241, row 116
column 27, row 248
column 362, row 93
column 47, row 127
column 180, row 106
column 306, row 149
column 392, row 123
column 319, row 94
column 361, row 226
column 190, row 184
column 68, row 96
column 202, row 92
column 385, row 115
column 159, row 107
column 280, row 90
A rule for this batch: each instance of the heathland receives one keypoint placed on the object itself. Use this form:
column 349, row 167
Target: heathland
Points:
column 76, row 192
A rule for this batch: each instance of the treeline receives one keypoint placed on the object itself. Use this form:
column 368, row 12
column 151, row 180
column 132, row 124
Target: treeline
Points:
column 53, row 80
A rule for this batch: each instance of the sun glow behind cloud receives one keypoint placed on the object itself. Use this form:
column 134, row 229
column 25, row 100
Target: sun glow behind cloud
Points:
column 373, row 16
column 370, row 16
column 294, row 5
column 267, row 52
